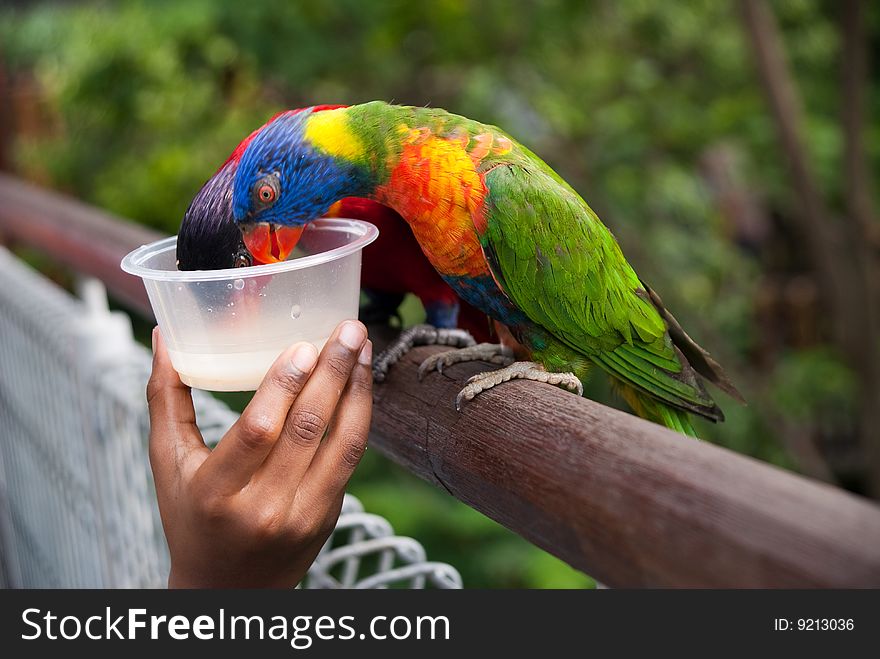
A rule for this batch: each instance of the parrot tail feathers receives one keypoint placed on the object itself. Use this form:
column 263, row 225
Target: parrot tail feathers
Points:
column 653, row 410
column 700, row 360
column 675, row 419
column 636, row 368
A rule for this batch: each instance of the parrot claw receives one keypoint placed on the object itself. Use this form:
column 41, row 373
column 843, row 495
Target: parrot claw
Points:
column 517, row 370
column 494, row 353
column 418, row 335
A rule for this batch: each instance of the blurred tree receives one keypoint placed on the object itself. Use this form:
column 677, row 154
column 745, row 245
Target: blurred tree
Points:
column 843, row 249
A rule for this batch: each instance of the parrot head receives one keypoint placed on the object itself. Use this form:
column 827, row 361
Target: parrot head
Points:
column 283, row 182
column 209, row 239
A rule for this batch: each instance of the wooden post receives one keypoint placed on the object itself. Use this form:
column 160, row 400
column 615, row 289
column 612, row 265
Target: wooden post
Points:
column 86, row 239
column 627, row 501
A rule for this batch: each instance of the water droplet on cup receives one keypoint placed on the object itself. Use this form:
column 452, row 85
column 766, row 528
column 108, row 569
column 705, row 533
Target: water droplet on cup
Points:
column 229, row 286
column 210, row 310
column 295, row 311
column 239, row 284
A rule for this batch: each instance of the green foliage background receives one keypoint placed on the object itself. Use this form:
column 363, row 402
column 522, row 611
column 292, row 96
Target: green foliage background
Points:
column 140, row 102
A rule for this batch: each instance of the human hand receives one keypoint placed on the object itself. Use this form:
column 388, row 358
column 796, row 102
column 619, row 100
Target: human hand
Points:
column 255, row 511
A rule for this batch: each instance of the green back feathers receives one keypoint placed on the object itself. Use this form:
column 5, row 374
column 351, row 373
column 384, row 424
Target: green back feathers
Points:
column 559, row 264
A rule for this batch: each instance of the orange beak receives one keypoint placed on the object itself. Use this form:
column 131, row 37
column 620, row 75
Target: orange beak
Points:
column 270, row 243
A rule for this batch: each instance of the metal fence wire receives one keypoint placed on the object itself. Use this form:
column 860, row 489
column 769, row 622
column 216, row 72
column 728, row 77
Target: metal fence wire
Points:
column 77, row 505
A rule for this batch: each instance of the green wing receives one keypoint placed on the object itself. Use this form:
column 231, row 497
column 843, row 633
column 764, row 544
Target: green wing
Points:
column 562, row 267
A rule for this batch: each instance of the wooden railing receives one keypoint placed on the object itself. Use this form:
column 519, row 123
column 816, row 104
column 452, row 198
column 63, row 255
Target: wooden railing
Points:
column 625, row 500
column 86, row 239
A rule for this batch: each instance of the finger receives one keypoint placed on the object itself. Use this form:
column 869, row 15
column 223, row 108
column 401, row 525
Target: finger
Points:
column 340, row 453
column 244, row 448
column 322, row 528
column 326, row 523
column 313, row 409
column 175, row 441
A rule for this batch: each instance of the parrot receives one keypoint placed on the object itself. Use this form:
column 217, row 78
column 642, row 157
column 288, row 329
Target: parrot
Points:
column 503, row 230
column 394, row 265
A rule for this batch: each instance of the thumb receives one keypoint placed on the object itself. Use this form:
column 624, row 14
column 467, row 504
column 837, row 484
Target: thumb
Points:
column 176, row 445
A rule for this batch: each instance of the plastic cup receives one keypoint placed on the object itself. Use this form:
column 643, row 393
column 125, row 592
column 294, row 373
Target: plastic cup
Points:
column 224, row 328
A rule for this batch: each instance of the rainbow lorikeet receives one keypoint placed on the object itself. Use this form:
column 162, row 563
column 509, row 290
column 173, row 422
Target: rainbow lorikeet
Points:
column 393, row 266
column 506, row 232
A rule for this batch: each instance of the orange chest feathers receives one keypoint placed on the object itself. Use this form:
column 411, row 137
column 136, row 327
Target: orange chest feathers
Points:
column 436, row 188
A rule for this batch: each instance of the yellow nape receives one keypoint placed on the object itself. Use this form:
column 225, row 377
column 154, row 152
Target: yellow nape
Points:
column 329, row 132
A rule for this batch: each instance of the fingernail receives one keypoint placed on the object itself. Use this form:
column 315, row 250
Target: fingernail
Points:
column 366, row 355
column 153, row 338
column 352, row 335
column 304, row 357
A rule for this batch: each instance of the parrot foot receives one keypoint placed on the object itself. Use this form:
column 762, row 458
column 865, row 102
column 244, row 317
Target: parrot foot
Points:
column 418, row 335
column 522, row 370
column 494, row 353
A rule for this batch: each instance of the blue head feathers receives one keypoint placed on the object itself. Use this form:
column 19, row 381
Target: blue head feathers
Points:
column 283, row 180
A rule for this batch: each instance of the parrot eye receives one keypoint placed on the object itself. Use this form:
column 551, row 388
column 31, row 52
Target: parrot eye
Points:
column 267, row 194
column 265, row 191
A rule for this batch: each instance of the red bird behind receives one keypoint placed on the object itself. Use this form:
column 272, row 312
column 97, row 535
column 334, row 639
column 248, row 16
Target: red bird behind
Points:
column 395, row 265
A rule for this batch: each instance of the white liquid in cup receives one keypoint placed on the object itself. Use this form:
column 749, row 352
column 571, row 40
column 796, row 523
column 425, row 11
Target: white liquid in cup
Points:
column 236, row 371
column 229, row 366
